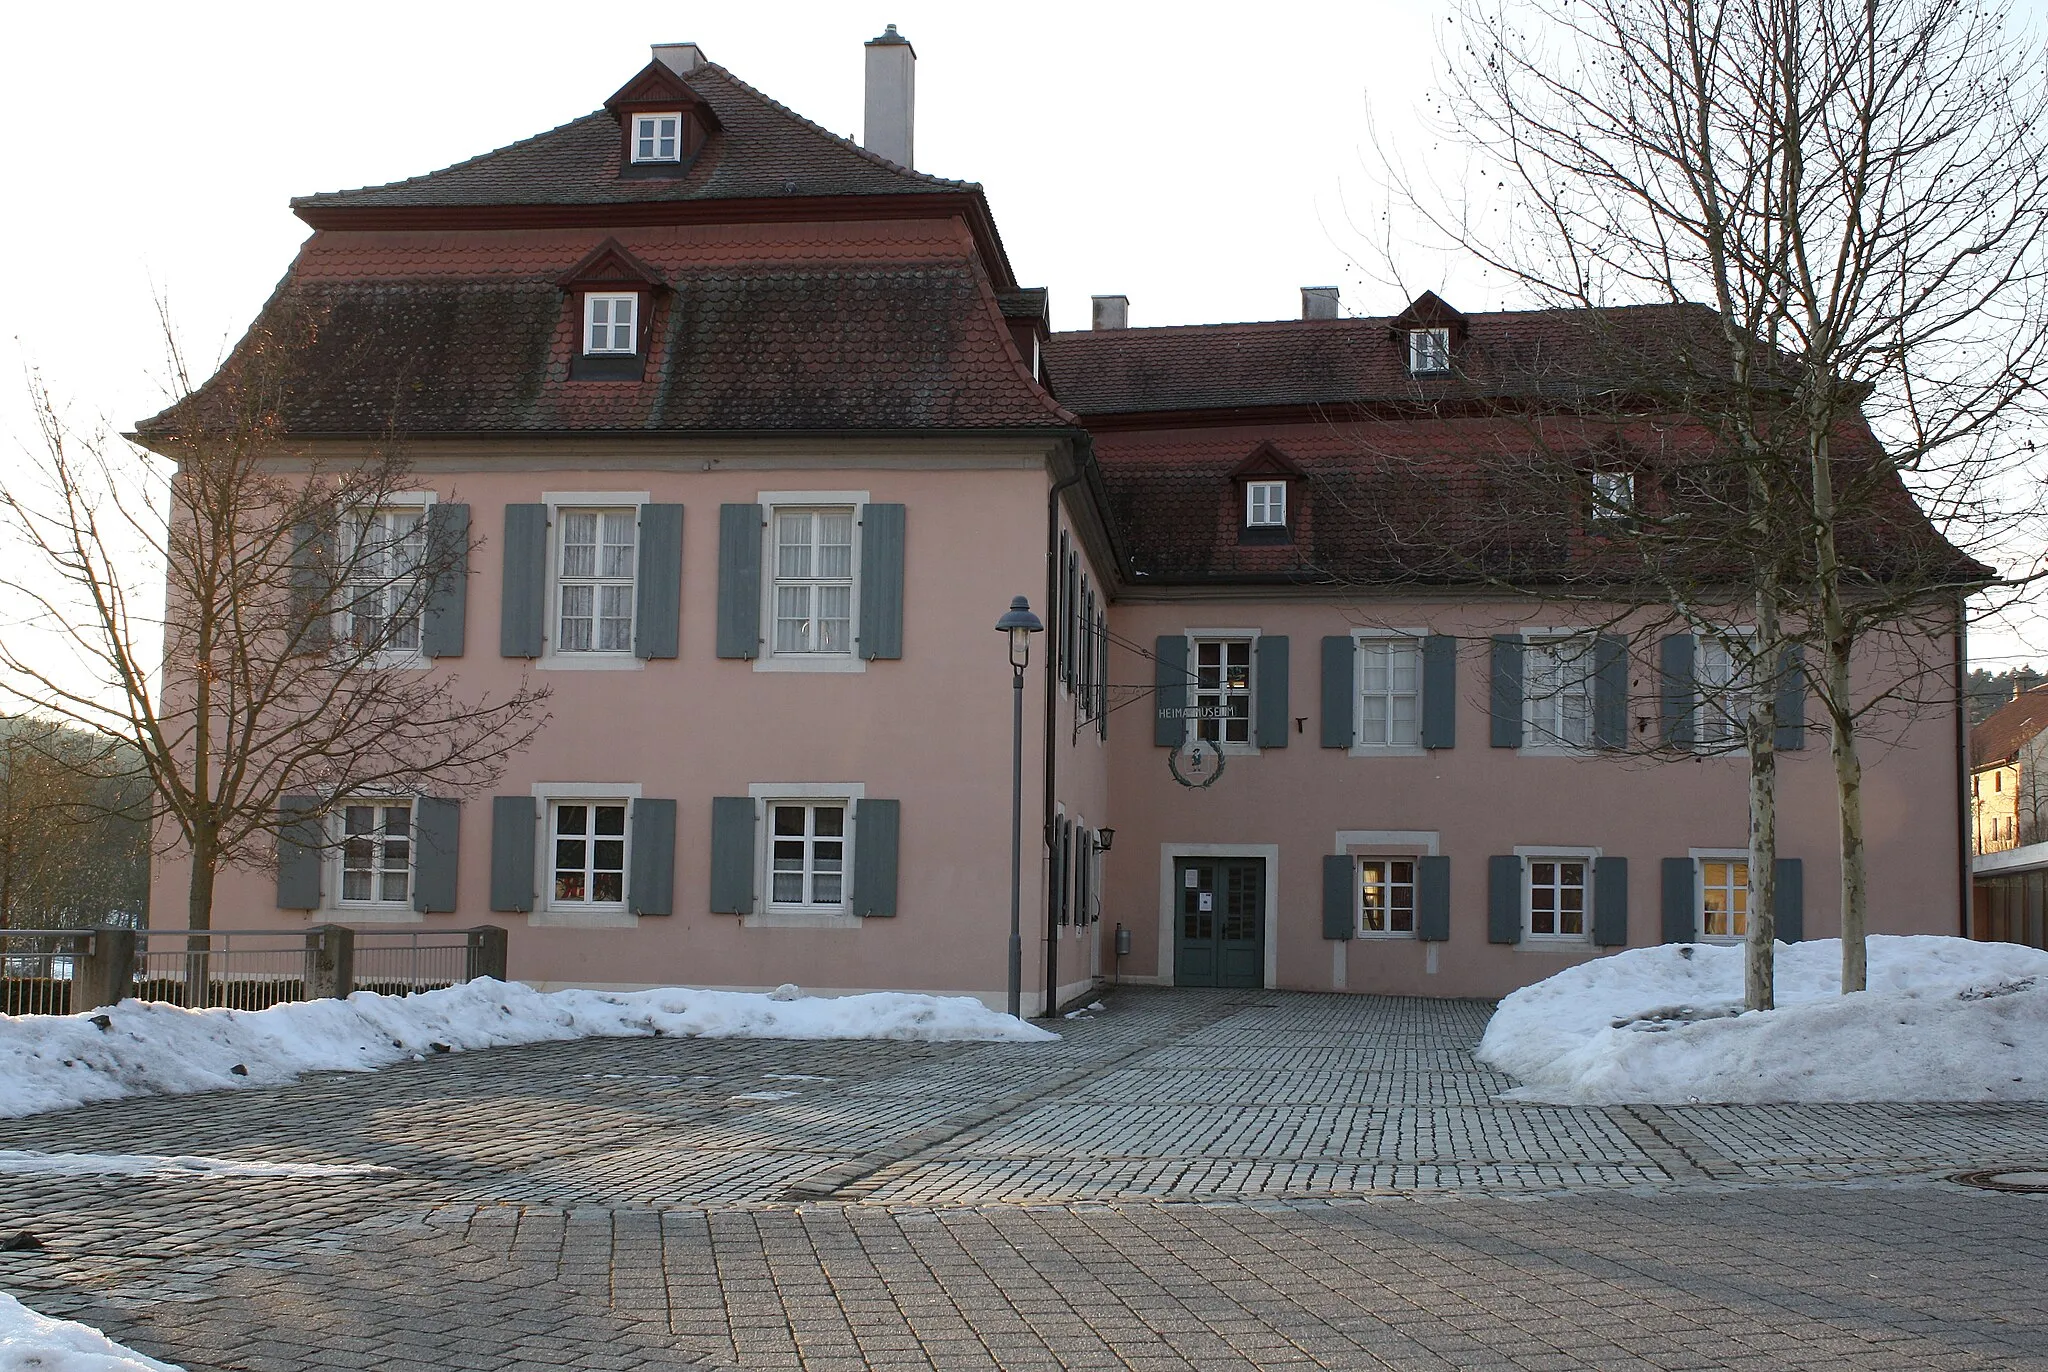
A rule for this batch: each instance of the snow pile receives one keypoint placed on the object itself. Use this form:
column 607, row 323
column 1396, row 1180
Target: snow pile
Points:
column 1944, row 1019
column 32, row 1341
column 53, row 1062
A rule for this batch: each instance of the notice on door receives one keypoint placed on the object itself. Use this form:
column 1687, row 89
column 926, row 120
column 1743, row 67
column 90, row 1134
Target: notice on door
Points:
column 1206, row 901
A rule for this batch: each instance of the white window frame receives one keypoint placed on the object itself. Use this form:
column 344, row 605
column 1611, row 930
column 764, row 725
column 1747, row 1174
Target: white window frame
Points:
column 1359, row 638
column 1429, row 351
column 579, row 915
column 773, row 502
column 1614, row 495
column 343, row 626
column 1700, row 858
column 1197, row 637
column 612, row 300
column 553, row 657
column 1275, row 493
column 642, row 133
column 1537, row 736
column 1734, row 696
column 1358, row 862
column 1534, row 854
column 375, row 910
column 767, row 914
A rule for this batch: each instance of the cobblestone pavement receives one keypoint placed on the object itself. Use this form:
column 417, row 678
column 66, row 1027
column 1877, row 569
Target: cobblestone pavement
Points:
column 1188, row 1180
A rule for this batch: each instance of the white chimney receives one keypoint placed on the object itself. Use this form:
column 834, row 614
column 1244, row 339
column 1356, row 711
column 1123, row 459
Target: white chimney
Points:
column 680, row 58
column 1112, row 311
column 892, row 97
column 1319, row 302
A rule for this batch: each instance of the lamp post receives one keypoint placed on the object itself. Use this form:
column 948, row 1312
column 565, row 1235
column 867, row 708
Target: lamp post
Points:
column 1020, row 624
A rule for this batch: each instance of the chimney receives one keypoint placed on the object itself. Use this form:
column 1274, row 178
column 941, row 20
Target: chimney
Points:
column 680, row 58
column 1112, row 311
column 1319, row 302
column 892, row 97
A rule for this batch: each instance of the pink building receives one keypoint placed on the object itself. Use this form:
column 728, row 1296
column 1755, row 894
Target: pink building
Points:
column 762, row 435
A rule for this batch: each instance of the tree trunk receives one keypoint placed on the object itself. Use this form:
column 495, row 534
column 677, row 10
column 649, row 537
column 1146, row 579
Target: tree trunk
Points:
column 1759, row 965
column 1849, row 808
column 199, row 915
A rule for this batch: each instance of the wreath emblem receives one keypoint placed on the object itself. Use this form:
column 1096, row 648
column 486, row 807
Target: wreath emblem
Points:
column 1196, row 765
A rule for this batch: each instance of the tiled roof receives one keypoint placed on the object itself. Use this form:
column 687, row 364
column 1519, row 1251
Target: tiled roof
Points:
column 761, row 149
column 2009, row 728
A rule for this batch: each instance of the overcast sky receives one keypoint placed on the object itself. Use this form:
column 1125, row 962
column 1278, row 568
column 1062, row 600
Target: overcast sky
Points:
column 1207, row 160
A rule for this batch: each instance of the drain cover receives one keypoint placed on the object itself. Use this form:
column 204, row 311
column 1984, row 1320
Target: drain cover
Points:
column 2024, row 1179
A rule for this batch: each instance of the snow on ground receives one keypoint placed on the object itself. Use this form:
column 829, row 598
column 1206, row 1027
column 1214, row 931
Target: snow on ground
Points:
column 53, row 1062
column 29, row 1341
column 15, row 1163
column 1943, row 1019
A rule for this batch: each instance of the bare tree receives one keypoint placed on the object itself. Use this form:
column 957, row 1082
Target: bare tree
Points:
column 73, row 828
column 296, row 592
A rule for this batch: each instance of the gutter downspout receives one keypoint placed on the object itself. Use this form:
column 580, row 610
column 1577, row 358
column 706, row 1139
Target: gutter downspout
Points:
column 1963, row 845
column 1054, row 639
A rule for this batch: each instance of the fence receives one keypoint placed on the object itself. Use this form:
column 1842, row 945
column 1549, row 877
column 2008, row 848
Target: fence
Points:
column 56, row 971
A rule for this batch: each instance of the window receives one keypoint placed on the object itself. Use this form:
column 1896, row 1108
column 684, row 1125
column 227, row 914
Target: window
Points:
column 1724, row 898
column 1557, row 897
column 608, row 324
column 1265, row 504
column 807, row 862
column 594, row 594
column 1223, row 684
column 384, row 596
column 1390, row 686
column 657, row 137
column 813, row 581
column 589, row 840
column 1614, row 497
column 376, row 853
column 1719, row 671
column 1557, row 687
column 1386, row 896
column 1429, row 350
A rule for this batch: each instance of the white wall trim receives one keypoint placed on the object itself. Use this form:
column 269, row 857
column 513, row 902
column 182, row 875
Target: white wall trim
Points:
column 1394, row 842
column 544, row 913
column 1167, row 899
column 552, row 660
column 763, row 916
column 768, row 660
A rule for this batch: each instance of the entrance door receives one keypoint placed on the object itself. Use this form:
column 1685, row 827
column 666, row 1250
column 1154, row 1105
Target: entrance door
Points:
column 1220, row 937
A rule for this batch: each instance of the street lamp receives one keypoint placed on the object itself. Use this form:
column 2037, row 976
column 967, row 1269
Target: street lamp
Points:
column 1020, row 624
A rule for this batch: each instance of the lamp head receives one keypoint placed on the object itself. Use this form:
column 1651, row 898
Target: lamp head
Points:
column 1019, row 623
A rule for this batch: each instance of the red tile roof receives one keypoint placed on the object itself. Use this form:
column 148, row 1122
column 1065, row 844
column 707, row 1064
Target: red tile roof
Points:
column 2009, row 728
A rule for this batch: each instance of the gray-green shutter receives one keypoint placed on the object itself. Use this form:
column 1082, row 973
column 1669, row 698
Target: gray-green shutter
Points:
column 311, row 610
column 1675, row 655
column 445, row 620
column 1272, row 691
column 1504, row 898
column 1338, row 921
column 1062, row 870
column 1102, row 700
column 658, row 594
column 1791, row 900
column 881, row 582
column 513, row 820
column 436, row 853
column 739, row 582
column 732, row 855
column 1791, row 731
column 1610, row 902
column 1610, row 691
column 1681, row 918
column 877, row 835
column 526, row 567
column 299, row 849
column 1070, row 618
column 1169, row 689
column 651, row 884
column 1439, row 691
column 1504, row 693
column 1340, row 665
column 1433, row 898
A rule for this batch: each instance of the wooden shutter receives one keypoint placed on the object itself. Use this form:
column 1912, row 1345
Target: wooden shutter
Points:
column 513, row 820
column 1433, row 898
column 739, row 582
column 877, row 835
column 1062, row 868
column 651, row 882
column 311, row 610
column 436, row 853
column 1338, row 894
column 1504, row 694
column 1439, row 691
column 521, row 619
column 1340, row 683
column 1675, row 657
column 1610, row 902
column 1610, row 691
column 658, row 594
column 1791, row 684
column 1680, row 897
column 1102, row 697
column 1791, row 900
column 1504, row 897
column 1272, row 692
column 1070, row 597
column 1084, row 672
column 881, row 582
column 299, row 850
column 1169, row 689
column 444, row 622
column 732, row 855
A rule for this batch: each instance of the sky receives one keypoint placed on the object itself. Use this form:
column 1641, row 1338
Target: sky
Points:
column 1205, row 160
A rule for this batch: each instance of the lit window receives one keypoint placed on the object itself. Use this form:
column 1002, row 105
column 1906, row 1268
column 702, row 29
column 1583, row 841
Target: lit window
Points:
column 1389, row 681
column 657, row 137
column 1429, row 350
column 1265, row 504
column 807, row 863
column 594, row 594
column 1614, row 497
column 1724, row 898
column 1223, row 690
column 813, row 581
column 376, row 853
column 385, row 591
column 608, row 324
column 589, row 853
column 1557, row 685
column 1557, row 898
column 1386, row 895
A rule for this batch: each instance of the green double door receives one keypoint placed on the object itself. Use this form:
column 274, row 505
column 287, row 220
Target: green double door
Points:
column 1219, row 938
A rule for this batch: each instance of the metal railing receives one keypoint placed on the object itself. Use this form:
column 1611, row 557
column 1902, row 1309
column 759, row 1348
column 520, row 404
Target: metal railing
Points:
column 36, row 967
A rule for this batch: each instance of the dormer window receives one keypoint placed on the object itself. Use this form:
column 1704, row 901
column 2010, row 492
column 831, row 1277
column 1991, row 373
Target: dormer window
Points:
column 658, row 137
column 610, row 325
column 1265, row 504
column 1614, row 498
column 1429, row 350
